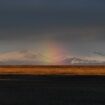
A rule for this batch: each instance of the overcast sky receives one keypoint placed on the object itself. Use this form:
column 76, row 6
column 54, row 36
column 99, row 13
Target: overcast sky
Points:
column 76, row 25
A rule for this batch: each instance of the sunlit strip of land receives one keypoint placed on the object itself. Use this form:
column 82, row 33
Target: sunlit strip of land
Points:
column 53, row 70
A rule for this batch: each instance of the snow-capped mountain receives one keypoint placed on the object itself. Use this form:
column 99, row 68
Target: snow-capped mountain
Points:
column 30, row 57
column 19, row 58
column 81, row 61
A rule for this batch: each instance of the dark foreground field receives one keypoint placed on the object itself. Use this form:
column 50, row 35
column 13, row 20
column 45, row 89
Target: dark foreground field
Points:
column 52, row 90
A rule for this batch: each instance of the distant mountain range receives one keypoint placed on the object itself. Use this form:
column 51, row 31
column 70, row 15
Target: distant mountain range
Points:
column 81, row 61
column 26, row 57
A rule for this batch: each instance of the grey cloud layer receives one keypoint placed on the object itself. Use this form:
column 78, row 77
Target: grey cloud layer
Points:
column 50, row 12
column 77, row 24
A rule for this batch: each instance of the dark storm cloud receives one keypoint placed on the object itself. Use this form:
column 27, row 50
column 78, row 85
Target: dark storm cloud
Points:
column 82, row 34
column 39, row 12
column 78, row 23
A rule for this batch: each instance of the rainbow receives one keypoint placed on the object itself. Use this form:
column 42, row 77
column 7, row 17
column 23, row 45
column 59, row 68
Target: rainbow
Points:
column 52, row 54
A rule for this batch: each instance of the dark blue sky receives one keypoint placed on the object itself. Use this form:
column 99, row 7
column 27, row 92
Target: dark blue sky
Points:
column 78, row 25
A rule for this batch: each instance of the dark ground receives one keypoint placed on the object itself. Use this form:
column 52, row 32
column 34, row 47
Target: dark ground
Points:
column 52, row 90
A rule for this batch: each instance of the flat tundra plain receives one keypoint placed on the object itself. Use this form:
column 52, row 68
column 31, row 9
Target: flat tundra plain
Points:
column 53, row 70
